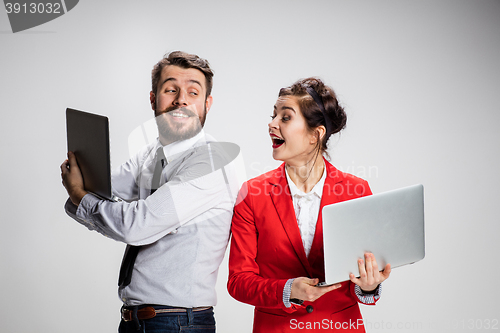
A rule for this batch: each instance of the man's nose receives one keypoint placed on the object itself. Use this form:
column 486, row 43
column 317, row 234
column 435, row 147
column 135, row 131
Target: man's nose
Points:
column 180, row 99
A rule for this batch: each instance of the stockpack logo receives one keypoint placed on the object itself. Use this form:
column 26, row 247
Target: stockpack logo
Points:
column 28, row 14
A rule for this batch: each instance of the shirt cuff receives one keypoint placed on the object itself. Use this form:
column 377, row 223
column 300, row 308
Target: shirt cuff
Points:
column 287, row 291
column 368, row 298
column 86, row 206
column 73, row 211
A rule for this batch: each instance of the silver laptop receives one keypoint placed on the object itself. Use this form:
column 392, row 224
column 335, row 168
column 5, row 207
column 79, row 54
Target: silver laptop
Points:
column 88, row 138
column 390, row 225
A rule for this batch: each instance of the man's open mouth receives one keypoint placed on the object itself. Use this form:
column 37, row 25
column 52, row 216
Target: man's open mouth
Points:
column 182, row 113
column 179, row 114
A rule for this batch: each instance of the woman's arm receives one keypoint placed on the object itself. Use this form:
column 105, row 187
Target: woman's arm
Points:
column 245, row 283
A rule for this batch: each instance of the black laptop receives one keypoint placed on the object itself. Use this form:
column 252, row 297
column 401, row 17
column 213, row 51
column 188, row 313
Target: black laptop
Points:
column 88, row 138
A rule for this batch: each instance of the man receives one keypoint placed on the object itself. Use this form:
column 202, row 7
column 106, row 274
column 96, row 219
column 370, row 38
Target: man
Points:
column 177, row 196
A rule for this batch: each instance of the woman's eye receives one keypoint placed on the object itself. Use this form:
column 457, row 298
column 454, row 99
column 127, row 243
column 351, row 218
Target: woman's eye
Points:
column 285, row 118
column 273, row 116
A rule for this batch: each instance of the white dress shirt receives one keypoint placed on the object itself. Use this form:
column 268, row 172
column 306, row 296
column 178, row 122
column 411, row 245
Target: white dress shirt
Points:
column 183, row 227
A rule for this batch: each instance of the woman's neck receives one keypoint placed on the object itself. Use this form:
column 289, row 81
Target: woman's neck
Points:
column 305, row 176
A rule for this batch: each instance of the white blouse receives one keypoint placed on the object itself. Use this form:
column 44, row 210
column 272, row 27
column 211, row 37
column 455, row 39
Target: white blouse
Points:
column 306, row 206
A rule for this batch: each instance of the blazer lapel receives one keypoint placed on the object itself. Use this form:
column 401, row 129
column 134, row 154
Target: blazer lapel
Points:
column 280, row 196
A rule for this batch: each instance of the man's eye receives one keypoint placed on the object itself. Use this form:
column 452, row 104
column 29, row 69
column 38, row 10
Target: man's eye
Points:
column 170, row 90
column 194, row 93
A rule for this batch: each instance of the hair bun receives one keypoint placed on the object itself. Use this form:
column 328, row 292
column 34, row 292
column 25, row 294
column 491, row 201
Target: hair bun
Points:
column 333, row 113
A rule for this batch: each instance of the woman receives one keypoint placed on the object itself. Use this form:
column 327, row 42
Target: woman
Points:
column 276, row 257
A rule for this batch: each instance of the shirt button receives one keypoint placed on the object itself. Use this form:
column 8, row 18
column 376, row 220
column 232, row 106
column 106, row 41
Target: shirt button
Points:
column 309, row 308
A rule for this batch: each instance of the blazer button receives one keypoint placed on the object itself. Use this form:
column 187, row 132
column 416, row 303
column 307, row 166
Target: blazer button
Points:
column 309, row 308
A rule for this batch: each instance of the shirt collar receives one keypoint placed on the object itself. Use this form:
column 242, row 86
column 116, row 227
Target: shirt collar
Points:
column 316, row 190
column 175, row 149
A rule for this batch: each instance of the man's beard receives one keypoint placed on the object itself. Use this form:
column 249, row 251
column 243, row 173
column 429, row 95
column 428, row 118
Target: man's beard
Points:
column 172, row 132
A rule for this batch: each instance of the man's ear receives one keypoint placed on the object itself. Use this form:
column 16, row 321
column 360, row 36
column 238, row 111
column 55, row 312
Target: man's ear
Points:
column 152, row 99
column 208, row 102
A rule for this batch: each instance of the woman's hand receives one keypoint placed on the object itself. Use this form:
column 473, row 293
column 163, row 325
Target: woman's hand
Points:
column 305, row 289
column 369, row 275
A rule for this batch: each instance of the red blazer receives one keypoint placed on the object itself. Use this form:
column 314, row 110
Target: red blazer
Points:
column 267, row 250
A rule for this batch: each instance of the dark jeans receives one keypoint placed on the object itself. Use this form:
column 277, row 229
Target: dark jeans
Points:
column 188, row 322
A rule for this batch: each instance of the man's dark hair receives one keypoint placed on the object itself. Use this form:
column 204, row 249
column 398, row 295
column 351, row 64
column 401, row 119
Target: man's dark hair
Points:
column 183, row 60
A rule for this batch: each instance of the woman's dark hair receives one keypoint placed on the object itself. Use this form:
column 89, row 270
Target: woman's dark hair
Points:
column 314, row 116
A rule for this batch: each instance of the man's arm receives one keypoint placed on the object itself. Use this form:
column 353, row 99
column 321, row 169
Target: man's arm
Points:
column 183, row 199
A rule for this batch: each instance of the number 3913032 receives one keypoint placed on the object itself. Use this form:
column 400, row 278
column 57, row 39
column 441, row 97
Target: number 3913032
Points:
column 33, row 8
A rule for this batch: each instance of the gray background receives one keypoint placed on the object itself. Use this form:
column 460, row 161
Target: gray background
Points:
column 419, row 81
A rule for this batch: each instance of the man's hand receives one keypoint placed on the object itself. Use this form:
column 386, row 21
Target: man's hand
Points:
column 72, row 179
column 305, row 289
column 369, row 275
